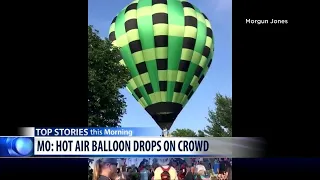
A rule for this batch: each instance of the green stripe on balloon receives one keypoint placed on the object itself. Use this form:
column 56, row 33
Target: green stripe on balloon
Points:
column 122, row 41
column 175, row 40
column 147, row 42
column 197, row 53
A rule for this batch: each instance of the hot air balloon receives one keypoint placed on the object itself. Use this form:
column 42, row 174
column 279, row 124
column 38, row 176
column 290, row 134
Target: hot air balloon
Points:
column 167, row 45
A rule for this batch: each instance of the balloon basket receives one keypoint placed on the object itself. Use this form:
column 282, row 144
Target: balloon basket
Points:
column 165, row 133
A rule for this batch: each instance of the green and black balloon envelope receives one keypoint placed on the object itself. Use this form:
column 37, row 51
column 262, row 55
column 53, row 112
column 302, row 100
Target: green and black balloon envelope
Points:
column 167, row 45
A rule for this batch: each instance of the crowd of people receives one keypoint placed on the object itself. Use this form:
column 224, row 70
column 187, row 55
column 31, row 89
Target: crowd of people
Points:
column 169, row 169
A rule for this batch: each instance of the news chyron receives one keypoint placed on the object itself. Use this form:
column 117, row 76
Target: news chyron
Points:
column 122, row 142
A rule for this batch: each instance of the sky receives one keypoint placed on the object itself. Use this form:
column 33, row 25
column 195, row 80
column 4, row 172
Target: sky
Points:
column 217, row 80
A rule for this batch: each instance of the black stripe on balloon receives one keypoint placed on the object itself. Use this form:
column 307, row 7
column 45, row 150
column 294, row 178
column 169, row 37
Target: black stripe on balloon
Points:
column 201, row 78
column 149, row 88
column 112, row 36
column 190, row 21
column 138, row 93
column 132, row 7
column 142, row 67
column 189, row 89
column 188, row 43
column 209, row 64
column 131, row 24
column 162, row 64
column 198, row 71
column 190, row 95
column 187, row 4
column 135, row 96
column 206, row 51
column 178, row 87
column 114, row 19
column 209, row 32
column 184, row 65
column 163, row 85
column 159, row 2
column 161, row 41
column 135, row 46
column 159, row 18
column 205, row 16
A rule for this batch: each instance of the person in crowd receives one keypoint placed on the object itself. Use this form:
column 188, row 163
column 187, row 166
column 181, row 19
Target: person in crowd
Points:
column 151, row 173
column 136, row 169
column 214, row 178
column 143, row 164
column 189, row 175
column 225, row 169
column 193, row 170
column 222, row 168
column 198, row 177
column 216, row 167
column 144, row 173
column 183, row 170
column 105, row 169
column 123, row 174
column 202, row 173
column 155, row 165
column 165, row 175
column 174, row 164
column 165, row 172
column 229, row 175
column 228, row 172
column 129, row 170
column 200, row 168
column 166, row 168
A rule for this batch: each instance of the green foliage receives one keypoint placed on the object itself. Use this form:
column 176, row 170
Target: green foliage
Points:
column 106, row 76
column 201, row 133
column 183, row 133
column 220, row 121
column 187, row 133
column 221, row 118
column 106, row 106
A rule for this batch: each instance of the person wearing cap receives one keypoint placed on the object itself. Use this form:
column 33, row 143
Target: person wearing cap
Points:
column 201, row 172
column 200, row 167
column 105, row 169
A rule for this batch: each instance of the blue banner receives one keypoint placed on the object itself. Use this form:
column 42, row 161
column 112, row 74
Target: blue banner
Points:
column 16, row 146
column 133, row 131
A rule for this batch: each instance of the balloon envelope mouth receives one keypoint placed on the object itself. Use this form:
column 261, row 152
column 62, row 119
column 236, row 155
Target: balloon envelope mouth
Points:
column 164, row 113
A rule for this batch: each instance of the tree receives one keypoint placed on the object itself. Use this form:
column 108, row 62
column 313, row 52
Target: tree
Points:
column 183, row 133
column 221, row 118
column 106, row 76
column 187, row 133
column 201, row 133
